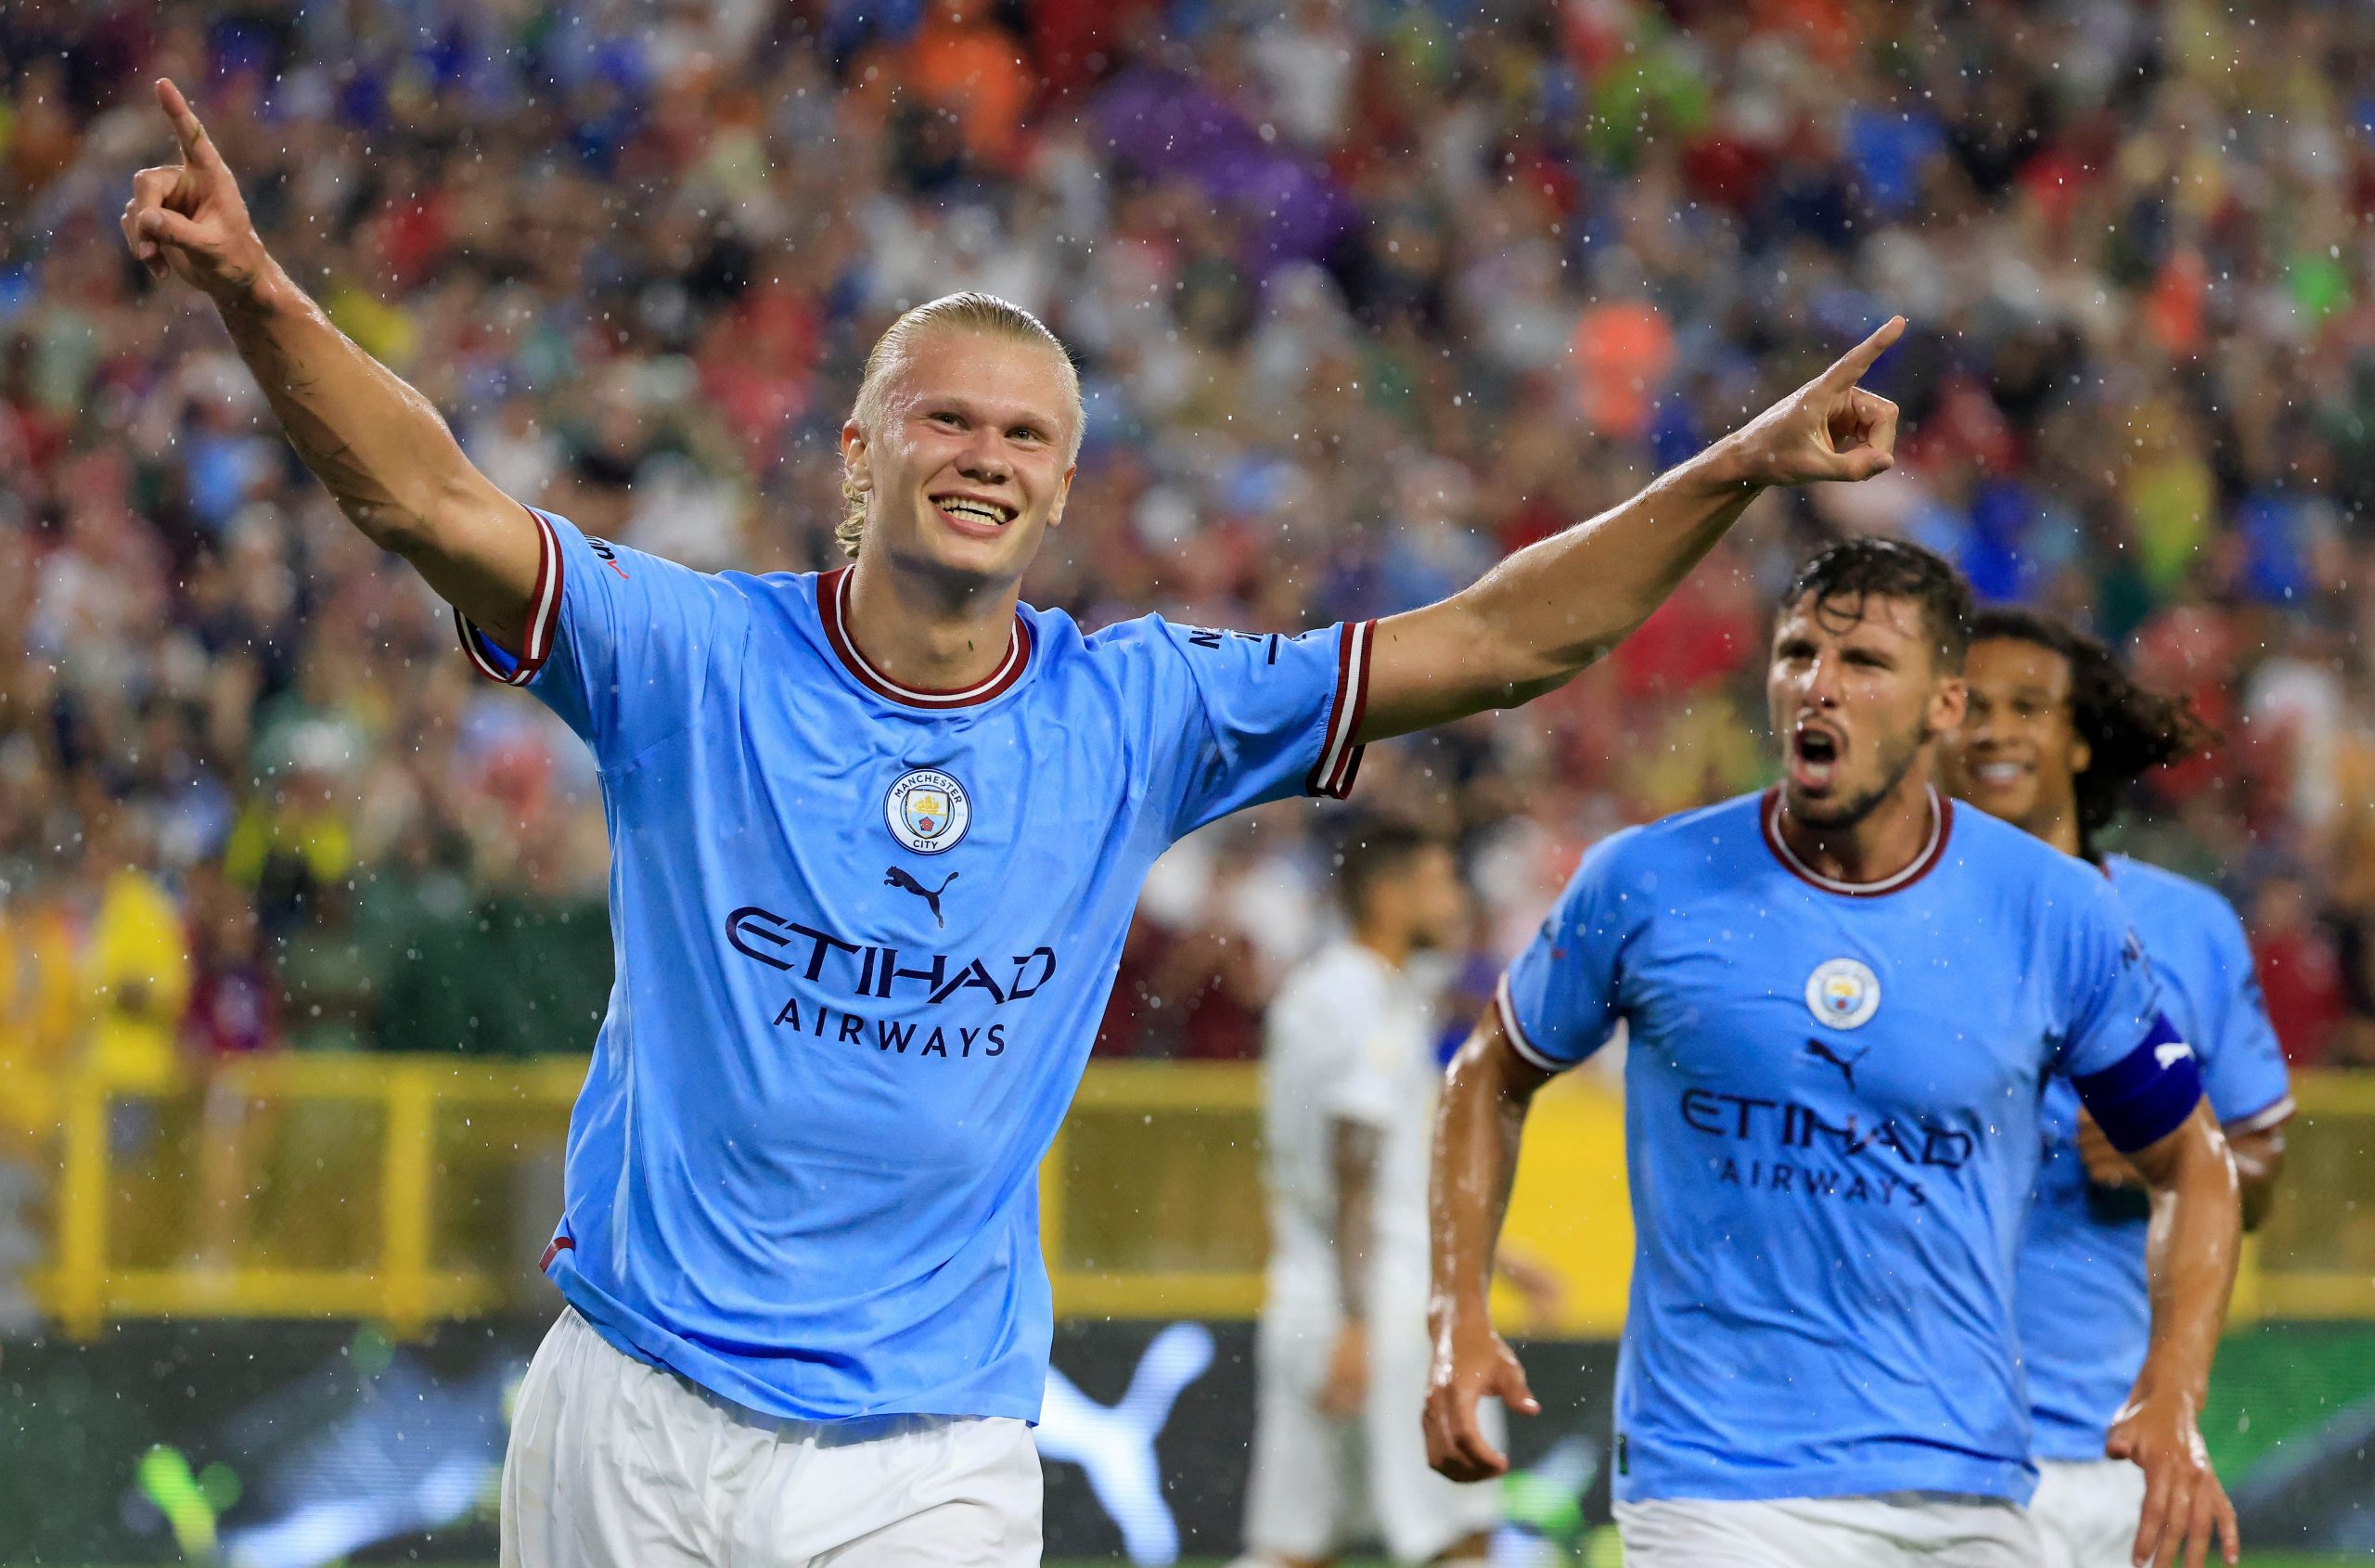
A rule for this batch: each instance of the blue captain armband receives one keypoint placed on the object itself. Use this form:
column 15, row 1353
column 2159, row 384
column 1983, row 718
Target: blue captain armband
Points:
column 2146, row 1095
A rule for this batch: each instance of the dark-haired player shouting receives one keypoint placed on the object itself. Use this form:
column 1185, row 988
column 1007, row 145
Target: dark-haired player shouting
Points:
column 875, row 835
column 1844, row 999
column 2055, row 736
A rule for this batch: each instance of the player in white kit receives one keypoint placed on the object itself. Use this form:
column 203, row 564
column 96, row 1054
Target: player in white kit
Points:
column 1350, row 1086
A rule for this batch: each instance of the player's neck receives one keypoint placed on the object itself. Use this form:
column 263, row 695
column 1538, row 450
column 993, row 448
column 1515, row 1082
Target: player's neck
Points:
column 1885, row 841
column 1390, row 944
column 2060, row 831
column 926, row 632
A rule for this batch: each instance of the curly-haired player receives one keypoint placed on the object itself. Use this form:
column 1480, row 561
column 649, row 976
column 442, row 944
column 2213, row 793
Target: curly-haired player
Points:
column 2054, row 739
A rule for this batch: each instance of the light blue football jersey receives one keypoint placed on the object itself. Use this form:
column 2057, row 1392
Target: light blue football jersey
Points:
column 865, row 936
column 1831, row 1098
column 2083, row 1307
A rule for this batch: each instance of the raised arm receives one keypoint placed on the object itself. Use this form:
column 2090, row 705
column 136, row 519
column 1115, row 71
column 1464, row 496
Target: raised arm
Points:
column 2196, row 1223
column 1541, row 617
column 376, row 443
column 1477, row 1127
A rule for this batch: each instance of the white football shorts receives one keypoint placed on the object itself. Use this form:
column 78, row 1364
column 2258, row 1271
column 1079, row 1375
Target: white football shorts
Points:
column 1895, row 1530
column 614, row 1463
column 1315, row 1481
column 2087, row 1511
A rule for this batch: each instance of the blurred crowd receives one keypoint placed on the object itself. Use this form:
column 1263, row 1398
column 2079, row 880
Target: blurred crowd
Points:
column 1366, row 294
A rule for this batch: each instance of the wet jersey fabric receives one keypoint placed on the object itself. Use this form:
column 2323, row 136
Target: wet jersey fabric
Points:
column 1831, row 1097
column 2083, row 1310
column 865, row 935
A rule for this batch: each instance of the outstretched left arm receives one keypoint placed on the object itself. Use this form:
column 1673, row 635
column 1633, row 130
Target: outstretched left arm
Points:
column 1545, row 614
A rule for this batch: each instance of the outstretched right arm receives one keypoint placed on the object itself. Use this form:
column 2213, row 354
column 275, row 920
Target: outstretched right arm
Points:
column 376, row 443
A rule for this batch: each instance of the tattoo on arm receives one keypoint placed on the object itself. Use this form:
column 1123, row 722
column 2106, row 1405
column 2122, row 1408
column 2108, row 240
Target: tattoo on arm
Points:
column 289, row 386
column 1353, row 1153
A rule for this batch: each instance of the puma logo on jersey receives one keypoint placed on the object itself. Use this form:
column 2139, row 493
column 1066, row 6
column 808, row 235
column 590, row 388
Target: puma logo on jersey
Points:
column 609, row 557
column 897, row 876
column 1822, row 1050
column 2169, row 1055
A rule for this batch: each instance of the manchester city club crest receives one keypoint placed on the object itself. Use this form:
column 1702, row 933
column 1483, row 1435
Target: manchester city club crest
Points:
column 1842, row 993
column 928, row 810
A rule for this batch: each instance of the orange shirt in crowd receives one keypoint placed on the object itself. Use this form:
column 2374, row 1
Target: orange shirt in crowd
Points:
column 960, row 63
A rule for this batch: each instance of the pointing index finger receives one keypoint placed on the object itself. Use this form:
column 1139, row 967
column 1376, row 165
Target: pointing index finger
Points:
column 1856, row 360
column 197, row 146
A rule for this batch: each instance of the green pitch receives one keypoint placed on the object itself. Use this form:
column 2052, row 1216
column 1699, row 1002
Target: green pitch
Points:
column 2250, row 1560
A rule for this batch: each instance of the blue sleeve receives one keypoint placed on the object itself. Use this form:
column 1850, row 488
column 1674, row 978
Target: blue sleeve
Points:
column 2243, row 1066
column 1559, row 1001
column 2137, row 1077
column 1253, row 718
column 623, row 646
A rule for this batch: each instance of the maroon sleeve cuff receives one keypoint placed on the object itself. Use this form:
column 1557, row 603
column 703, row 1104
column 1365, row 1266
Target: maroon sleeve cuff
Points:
column 1506, row 1006
column 1340, row 758
column 544, row 619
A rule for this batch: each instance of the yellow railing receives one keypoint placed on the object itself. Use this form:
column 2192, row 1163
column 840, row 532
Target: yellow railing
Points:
column 2316, row 1257
column 356, row 1235
column 415, row 1189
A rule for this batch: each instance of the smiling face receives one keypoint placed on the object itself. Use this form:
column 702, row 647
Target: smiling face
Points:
column 2017, row 753
column 969, row 458
column 1855, row 693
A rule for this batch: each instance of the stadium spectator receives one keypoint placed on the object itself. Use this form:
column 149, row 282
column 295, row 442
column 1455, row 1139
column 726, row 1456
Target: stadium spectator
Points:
column 134, row 959
column 233, row 1009
column 1330, row 372
column 232, row 1014
column 2299, row 969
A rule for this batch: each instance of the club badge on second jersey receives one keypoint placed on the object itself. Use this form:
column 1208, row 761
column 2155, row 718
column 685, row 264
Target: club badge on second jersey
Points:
column 927, row 810
column 1842, row 993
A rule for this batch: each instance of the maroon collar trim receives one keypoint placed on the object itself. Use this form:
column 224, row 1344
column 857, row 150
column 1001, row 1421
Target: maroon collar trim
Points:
column 832, row 609
column 1942, row 828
